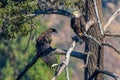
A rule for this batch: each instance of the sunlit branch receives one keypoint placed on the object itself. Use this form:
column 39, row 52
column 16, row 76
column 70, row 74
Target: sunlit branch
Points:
column 65, row 62
column 98, row 18
column 111, row 19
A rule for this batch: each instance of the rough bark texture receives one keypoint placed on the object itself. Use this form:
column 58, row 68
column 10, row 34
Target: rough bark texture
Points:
column 96, row 59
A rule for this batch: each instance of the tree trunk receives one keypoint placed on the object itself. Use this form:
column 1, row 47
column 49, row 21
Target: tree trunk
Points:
column 96, row 59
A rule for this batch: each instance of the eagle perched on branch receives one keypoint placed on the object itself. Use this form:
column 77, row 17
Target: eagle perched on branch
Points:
column 43, row 50
column 78, row 23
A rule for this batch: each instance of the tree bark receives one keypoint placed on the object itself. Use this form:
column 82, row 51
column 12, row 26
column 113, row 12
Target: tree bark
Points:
column 96, row 59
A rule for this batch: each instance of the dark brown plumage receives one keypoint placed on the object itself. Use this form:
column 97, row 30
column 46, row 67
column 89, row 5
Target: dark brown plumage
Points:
column 78, row 25
column 43, row 51
column 43, row 45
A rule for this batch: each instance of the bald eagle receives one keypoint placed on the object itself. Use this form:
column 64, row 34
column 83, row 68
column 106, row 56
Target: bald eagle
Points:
column 43, row 47
column 78, row 24
column 43, row 51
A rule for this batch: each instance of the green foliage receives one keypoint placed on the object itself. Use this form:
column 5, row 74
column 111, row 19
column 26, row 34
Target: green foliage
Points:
column 15, row 18
column 14, row 59
column 13, row 15
column 8, row 69
column 16, row 25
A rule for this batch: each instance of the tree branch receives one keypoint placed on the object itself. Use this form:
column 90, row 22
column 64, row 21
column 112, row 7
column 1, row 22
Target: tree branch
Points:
column 47, row 11
column 111, row 19
column 101, row 43
column 67, row 73
column 65, row 62
column 73, row 53
column 105, row 44
column 52, row 11
column 112, row 34
column 98, row 18
column 97, row 71
column 109, row 74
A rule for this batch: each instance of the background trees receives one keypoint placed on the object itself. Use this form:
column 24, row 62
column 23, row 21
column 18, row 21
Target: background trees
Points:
column 16, row 32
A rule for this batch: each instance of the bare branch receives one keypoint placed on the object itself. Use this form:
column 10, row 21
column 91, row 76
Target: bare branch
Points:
column 47, row 11
column 97, row 71
column 67, row 73
column 112, row 34
column 101, row 43
column 53, row 11
column 98, row 18
column 109, row 74
column 111, row 19
column 73, row 53
column 65, row 62
column 105, row 44
column 92, row 38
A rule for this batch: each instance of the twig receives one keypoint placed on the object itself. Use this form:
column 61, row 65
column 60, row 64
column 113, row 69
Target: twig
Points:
column 67, row 73
column 112, row 34
column 105, row 44
column 111, row 19
column 101, row 43
column 98, row 18
column 93, row 38
column 109, row 74
column 28, row 42
column 65, row 63
column 87, row 59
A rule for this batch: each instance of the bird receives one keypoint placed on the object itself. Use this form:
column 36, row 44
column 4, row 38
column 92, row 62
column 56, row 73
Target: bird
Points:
column 78, row 23
column 43, row 51
column 43, row 45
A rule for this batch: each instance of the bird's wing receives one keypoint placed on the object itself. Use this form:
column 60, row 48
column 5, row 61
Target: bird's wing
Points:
column 49, row 59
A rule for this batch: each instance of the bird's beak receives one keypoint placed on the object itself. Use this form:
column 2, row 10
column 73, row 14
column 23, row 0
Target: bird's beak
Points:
column 56, row 31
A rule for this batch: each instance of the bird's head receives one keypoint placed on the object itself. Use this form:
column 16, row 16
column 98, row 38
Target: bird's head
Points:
column 76, row 14
column 53, row 30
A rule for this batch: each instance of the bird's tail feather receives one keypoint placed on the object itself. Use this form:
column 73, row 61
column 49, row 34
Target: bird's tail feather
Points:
column 35, row 58
column 50, row 59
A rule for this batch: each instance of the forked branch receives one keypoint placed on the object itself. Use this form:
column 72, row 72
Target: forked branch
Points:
column 101, row 43
column 65, row 62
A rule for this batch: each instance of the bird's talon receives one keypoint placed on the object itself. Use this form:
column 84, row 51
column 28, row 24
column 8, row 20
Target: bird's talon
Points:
column 81, row 34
